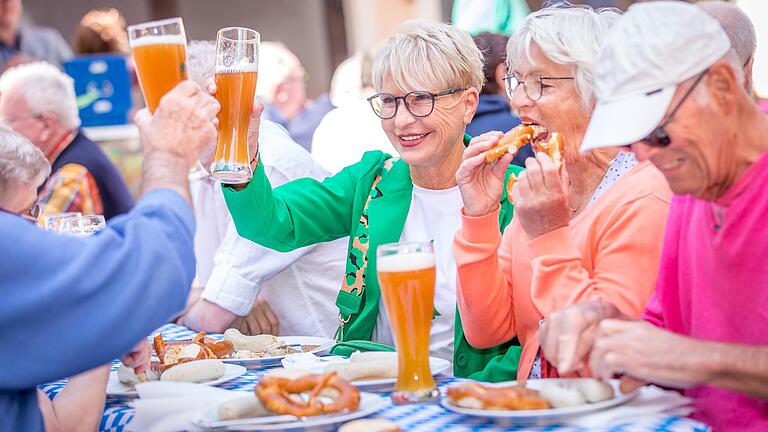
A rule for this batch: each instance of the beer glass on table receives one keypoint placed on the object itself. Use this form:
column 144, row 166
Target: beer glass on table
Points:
column 237, row 63
column 406, row 273
column 52, row 221
column 81, row 226
column 159, row 50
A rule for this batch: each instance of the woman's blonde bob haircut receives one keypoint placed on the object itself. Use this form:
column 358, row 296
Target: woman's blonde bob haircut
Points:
column 568, row 35
column 426, row 55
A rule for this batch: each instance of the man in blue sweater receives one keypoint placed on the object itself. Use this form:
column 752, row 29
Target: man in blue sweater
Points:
column 71, row 304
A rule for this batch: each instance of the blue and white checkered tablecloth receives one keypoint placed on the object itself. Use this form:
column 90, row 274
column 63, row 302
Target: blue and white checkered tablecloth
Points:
column 424, row 417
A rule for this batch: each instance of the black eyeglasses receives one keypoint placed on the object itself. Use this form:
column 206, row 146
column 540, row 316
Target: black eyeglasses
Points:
column 29, row 214
column 418, row 103
column 533, row 84
column 659, row 136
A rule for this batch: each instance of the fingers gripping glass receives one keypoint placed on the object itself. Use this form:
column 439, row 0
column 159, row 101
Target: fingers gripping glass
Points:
column 659, row 136
column 533, row 84
column 418, row 103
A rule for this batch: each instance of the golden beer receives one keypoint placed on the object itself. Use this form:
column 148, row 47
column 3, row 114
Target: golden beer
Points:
column 407, row 283
column 234, row 91
column 159, row 50
column 237, row 66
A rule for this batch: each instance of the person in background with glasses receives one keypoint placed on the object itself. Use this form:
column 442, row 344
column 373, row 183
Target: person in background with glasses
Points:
column 591, row 230
column 676, row 98
column 427, row 78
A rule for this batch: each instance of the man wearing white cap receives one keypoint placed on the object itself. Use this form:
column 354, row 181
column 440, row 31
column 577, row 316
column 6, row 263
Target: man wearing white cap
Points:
column 670, row 87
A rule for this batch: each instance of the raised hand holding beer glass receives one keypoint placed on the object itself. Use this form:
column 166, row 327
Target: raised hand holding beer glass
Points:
column 237, row 58
column 406, row 273
column 159, row 50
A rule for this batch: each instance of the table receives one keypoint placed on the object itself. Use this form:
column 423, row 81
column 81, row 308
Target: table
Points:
column 418, row 418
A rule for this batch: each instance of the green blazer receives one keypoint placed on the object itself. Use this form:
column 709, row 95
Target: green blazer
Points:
column 305, row 211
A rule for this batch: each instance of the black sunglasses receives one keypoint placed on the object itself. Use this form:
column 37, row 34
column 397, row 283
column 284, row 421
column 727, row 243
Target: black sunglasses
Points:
column 659, row 136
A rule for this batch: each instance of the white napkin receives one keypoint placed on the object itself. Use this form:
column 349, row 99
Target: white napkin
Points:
column 171, row 406
column 651, row 402
column 310, row 362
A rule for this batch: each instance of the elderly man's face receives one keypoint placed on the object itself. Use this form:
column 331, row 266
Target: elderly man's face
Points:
column 698, row 160
column 559, row 108
column 428, row 141
column 15, row 112
column 23, row 199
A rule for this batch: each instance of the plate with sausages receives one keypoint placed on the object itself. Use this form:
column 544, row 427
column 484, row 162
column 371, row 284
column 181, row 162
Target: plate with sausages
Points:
column 535, row 402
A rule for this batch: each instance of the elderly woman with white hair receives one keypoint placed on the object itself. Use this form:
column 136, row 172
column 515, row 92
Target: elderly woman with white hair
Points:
column 427, row 79
column 590, row 230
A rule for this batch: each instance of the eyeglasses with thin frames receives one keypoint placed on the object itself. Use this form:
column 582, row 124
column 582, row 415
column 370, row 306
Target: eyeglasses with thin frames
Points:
column 659, row 136
column 419, row 103
column 533, row 84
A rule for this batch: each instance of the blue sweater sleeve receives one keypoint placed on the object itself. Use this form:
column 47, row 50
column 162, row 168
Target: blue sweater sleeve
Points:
column 70, row 304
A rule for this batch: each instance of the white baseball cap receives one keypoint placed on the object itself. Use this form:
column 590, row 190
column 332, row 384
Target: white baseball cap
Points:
column 646, row 54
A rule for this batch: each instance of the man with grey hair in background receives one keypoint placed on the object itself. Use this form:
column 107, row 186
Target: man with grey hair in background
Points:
column 739, row 29
column 248, row 286
column 38, row 101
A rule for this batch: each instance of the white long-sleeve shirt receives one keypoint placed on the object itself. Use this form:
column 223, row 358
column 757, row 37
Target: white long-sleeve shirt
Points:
column 300, row 286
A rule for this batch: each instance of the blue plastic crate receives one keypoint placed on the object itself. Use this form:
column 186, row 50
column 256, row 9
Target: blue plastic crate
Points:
column 103, row 89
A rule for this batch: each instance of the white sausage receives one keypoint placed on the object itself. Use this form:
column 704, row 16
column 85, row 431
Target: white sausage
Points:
column 242, row 407
column 257, row 343
column 195, row 371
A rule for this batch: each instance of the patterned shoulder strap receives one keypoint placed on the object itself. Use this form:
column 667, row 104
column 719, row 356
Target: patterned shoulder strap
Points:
column 353, row 285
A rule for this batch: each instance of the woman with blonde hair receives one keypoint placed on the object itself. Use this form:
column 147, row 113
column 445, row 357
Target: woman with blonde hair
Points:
column 427, row 78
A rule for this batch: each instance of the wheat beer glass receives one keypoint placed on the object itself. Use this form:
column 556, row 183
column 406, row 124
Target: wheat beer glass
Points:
column 159, row 50
column 406, row 274
column 237, row 65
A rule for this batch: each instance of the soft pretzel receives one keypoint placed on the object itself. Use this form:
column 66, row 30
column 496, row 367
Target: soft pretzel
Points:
column 512, row 141
column 553, row 147
column 477, row 396
column 276, row 394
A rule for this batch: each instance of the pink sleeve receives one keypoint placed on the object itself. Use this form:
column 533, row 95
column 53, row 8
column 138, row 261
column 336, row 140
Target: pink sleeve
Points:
column 653, row 312
column 484, row 294
column 625, row 261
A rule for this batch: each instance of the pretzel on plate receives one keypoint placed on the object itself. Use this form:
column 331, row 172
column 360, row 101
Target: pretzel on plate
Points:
column 279, row 394
column 199, row 348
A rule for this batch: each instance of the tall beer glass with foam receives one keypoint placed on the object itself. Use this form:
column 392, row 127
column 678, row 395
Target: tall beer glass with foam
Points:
column 159, row 50
column 406, row 273
column 237, row 65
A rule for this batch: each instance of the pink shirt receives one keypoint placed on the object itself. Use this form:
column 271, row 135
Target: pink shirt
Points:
column 713, row 285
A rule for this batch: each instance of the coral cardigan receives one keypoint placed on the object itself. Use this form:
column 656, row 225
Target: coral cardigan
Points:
column 506, row 285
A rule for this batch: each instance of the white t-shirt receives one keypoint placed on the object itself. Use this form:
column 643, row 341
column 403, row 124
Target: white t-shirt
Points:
column 433, row 215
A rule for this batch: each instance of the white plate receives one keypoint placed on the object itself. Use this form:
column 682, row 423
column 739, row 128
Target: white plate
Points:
column 369, row 404
column 324, row 344
column 117, row 389
column 546, row 416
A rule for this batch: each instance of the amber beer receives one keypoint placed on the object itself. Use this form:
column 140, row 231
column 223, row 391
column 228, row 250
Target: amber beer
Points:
column 234, row 91
column 406, row 275
column 237, row 63
column 159, row 52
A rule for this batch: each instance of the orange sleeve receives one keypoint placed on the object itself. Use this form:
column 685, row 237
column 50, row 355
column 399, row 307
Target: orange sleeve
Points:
column 484, row 293
column 626, row 250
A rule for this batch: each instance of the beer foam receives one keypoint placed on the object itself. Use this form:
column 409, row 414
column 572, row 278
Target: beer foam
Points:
column 238, row 68
column 159, row 40
column 406, row 262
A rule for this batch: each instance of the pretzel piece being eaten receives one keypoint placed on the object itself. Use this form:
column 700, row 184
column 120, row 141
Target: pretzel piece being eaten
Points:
column 513, row 140
column 553, row 147
column 477, row 396
column 283, row 395
column 199, row 348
